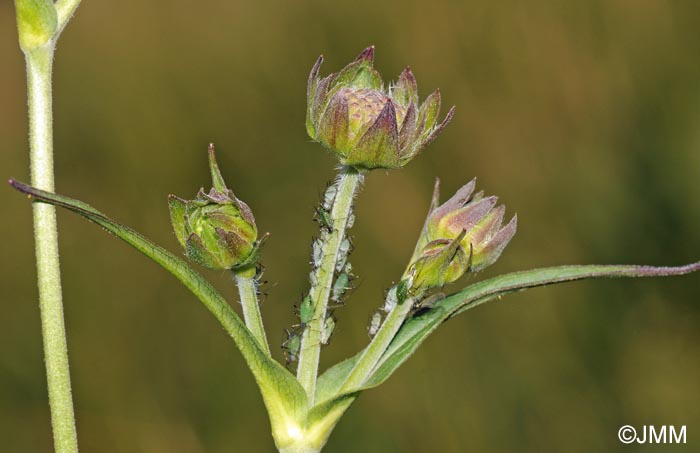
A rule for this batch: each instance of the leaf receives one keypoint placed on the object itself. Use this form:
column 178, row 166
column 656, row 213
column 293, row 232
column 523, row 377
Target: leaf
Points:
column 284, row 397
column 329, row 382
column 415, row 330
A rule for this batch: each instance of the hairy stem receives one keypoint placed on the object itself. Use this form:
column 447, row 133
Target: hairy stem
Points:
column 39, row 63
column 251, row 309
column 379, row 344
column 310, row 352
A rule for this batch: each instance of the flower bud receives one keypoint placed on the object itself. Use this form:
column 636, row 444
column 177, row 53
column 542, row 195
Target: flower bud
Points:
column 366, row 125
column 466, row 233
column 216, row 229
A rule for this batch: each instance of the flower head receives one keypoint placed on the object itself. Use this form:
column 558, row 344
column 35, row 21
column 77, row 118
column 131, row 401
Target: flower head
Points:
column 465, row 233
column 216, row 229
column 365, row 125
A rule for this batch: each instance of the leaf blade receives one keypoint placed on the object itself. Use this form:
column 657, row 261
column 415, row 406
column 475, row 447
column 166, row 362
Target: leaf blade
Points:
column 417, row 329
column 283, row 395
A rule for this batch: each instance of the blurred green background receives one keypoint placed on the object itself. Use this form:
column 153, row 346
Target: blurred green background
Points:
column 582, row 116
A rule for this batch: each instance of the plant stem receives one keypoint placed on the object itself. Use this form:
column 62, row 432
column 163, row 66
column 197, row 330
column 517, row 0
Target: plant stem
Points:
column 251, row 309
column 39, row 64
column 373, row 353
column 310, row 352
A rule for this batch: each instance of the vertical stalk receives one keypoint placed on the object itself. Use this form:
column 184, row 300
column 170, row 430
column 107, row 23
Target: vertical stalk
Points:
column 39, row 65
column 251, row 309
column 310, row 352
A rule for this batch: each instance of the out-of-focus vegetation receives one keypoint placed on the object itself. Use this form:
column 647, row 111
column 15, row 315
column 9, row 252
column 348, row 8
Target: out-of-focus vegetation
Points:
column 582, row 116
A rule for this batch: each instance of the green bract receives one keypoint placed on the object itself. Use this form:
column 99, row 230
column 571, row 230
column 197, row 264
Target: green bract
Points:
column 37, row 22
column 216, row 229
column 466, row 233
column 365, row 125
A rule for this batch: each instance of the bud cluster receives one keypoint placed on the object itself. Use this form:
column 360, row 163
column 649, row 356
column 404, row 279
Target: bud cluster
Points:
column 466, row 233
column 365, row 125
column 216, row 229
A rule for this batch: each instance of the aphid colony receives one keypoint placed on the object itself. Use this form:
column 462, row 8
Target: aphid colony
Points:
column 342, row 281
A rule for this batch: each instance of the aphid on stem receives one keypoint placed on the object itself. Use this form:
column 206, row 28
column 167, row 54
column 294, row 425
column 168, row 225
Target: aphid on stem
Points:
column 341, row 285
column 291, row 346
column 344, row 251
column 323, row 218
column 329, row 196
column 327, row 329
column 375, row 323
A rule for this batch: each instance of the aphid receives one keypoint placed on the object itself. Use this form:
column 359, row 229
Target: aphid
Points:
column 291, row 346
column 327, row 329
column 391, row 300
column 341, row 284
column 427, row 303
column 343, row 251
column 402, row 290
column 306, row 310
column 351, row 220
column 329, row 197
column 317, row 252
column 259, row 271
column 313, row 278
column 323, row 217
column 374, row 323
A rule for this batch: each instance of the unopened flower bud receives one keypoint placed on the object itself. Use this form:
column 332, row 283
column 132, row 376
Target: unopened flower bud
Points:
column 216, row 229
column 366, row 125
column 466, row 233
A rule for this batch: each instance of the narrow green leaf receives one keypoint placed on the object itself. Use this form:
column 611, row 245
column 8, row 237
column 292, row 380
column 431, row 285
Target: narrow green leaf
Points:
column 417, row 329
column 330, row 381
column 284, row 397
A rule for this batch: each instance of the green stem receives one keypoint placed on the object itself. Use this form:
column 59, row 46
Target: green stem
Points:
column 39, row 63
column 379, row 344
column 310, row 352
column 251, row 309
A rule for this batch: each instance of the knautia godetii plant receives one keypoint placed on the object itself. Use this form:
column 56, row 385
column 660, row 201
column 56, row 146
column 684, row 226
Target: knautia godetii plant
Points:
column 367, row 125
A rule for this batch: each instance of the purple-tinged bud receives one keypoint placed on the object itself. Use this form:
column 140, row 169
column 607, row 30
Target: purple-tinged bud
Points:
column 216, row 229
column 366, row 125
column 466, row 233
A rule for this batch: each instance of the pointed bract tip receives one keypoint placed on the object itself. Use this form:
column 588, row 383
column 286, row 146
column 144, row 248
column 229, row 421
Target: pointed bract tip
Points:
column 367, row 54
column 216, row 178
column 407, row 73
column 449, row 116
column 20, row 186
column 316, row 67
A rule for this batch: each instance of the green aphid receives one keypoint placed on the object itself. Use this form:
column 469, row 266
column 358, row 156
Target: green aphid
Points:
column 402, row 290
column 340, row 286
column 291, row 346
column 327, row 329
column 306, row 310
column 323, row 217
